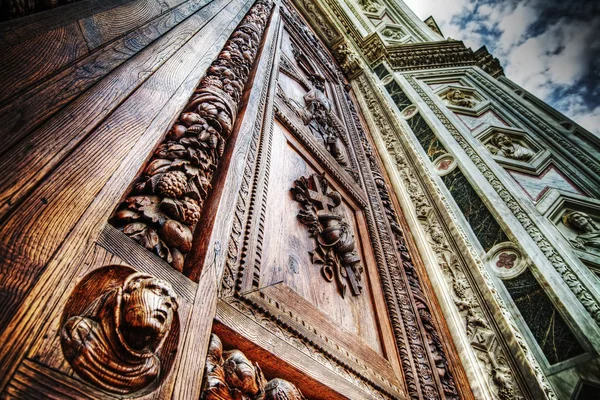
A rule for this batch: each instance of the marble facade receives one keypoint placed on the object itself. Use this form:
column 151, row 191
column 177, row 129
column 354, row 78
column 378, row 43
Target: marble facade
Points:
column 520, row 296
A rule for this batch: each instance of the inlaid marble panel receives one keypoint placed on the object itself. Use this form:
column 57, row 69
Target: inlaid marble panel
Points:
column 398, row 95
column 482, row 222
column 381, row 71
column 547, row 326
column 430, row 143
column 488, row 118
column 536, row 186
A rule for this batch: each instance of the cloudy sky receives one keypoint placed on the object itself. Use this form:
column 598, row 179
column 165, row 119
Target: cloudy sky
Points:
column 549, row 47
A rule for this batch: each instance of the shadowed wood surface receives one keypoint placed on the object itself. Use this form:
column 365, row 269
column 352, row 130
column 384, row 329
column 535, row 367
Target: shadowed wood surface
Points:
column 82, row 190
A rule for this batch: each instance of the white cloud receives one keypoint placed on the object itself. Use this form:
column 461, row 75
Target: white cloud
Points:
column 552, row 61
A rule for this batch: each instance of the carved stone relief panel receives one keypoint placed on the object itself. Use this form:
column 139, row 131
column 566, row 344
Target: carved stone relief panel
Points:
column 371, row 6
column 393, row 33
column 120, row 330
column 460, row 97
column 509, row 145
column 578, row 219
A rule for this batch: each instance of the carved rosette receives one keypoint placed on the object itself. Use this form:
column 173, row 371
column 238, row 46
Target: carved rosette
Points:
column 230, row 375
column 335, row 241
column 164, row 207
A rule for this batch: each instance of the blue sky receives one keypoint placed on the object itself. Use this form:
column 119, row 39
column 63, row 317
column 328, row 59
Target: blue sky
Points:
column 549, row 47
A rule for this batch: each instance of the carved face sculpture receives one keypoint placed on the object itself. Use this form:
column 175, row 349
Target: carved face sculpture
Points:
column 458, row 95
column 502, row 141
column 147, row 311
column 578, row 220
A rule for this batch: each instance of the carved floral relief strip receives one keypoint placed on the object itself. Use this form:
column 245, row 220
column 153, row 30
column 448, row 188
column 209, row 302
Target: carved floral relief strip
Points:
column 491, row 353
column 164, row 207
column 425, row 347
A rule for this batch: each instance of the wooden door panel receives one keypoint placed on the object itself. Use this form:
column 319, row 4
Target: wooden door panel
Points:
column 288, row 245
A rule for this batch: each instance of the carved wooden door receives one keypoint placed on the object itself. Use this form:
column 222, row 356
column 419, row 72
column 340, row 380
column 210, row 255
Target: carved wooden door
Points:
column 255, row 254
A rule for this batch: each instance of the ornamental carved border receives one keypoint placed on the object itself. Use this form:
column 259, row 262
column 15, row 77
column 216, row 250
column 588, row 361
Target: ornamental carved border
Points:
column 164, row 207
column 581, row 292
column 492, row 353
column 424, row 362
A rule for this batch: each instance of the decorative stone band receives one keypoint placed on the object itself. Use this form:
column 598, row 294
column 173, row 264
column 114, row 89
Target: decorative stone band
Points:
column 560, row 264
column 164, row 207
column 451, row 53
column 404, row 57
column 423, row 356
column 492, row 354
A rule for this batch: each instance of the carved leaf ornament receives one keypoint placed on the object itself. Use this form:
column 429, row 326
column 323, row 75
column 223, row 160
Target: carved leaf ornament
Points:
column 164, row 206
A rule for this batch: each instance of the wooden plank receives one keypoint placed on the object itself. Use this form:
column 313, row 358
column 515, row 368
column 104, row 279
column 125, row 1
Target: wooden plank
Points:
column 121, row 143
column 37, row 155
column 314, row 379
column 103, row 27
column 141, row 259
column 19, row 115
column 34, row 381
column 28, row 62
column 21, row 29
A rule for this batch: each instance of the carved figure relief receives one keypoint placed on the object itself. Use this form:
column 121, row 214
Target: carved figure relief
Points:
column 458, row 98
column 164, row 207
column 231, row 376
column 113, row 343
column 347, row 58
column 502, row 145
column 371, row 6
column 336, row 246
column 587, row 230
column 391, row 33
column 317, row 114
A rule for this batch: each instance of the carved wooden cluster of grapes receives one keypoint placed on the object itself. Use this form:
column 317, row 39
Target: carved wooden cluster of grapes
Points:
column 165, row 205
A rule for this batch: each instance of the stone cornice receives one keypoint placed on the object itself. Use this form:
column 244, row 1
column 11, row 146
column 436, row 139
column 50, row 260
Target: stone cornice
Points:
column 332, row 23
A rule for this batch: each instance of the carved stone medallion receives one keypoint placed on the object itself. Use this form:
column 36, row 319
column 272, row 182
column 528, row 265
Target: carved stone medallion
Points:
column 114, row 327
column 586, row 230
column 335, row 241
